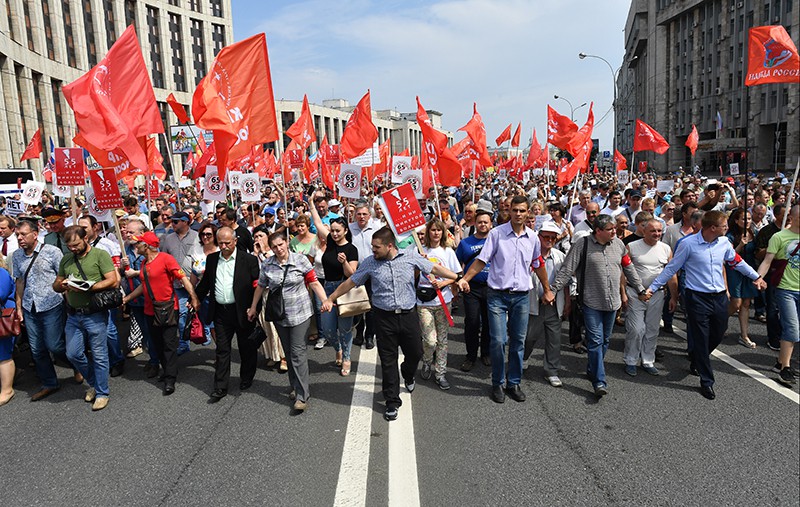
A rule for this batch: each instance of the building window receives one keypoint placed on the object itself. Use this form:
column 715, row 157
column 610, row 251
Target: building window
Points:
column 56, row 89
column 18, row 74
column 216, row 8
column 176, row 3
column 197, row 51
column 176, row 45
column 48, row 30
column 88, row 26
column 773, row 99
column 218, row 36
column 28, row 28
column 111, row 33
column 69, row 37
column 194, row 5
column 153, row 37
column 130, row 12
column 37, row 99
column 11, row 19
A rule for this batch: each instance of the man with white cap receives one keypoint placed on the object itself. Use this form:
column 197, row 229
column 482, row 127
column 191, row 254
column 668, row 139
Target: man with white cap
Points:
column 334, row 205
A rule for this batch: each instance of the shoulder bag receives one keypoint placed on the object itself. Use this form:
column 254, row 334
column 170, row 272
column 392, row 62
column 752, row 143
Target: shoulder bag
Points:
column 107, row 299
column 274, row 310
column 355, row 302
column 581, row 279
column 164, row 312
column 9, row 320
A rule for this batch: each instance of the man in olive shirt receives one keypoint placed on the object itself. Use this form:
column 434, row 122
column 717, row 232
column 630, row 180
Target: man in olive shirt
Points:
column 84, row 328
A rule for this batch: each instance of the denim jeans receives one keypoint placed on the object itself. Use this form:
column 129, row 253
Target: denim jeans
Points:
column 508, row 323
column 89, row 331
column 336, row 330
column 789, row 306
column 183, row 299
column 114, row 350
column 599, row 325
column 137, row 312
column 45, row 338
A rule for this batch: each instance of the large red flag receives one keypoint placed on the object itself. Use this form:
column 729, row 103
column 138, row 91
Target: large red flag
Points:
column 477, row 132
column 302, row 131
column 209, row 157
column 359, row 133
column 155, row 161
column 772, row 57
column 34, row 148
column 620, row 161
column 582, row 135
column 560, row 129
column 437, row 154
column 535, row 153
column 114, row 103
column 568, row 172
column 646, row 138
column 235, row 100
column 504, row 136
column 692, row 140
column 115, row 158
column 178, row 109
column 517, row 133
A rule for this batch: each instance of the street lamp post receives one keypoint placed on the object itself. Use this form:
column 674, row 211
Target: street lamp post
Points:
column 613, row 104
column 571, row 109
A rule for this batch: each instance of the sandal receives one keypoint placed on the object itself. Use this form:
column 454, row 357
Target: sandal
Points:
column 747, row 343
column 339, row 358
column 345, row 368
column 283, row 366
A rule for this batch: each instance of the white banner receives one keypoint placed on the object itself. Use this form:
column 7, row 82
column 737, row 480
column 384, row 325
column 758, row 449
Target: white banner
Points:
column 350, row 181
column 234, row 178
column 32, row 192
column 250, row 187
column 370, row 157
column 91, row 205
column 734, row 168
column 14, row 207
column 622, row 177
column 214, row 187
column 414, row 176
column 665, row 185
column 399, row 166
column 61, row 190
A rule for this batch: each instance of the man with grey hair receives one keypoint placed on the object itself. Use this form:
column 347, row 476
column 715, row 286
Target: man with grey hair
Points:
column 578, row 212
column 584, row 228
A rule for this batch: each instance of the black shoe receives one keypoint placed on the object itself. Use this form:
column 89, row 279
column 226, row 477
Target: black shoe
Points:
column 390, row 414
column 486, row 360
column 786, row 377
column 773, row 345
column 693, row 370
column 468, row 364
column 245, row 385
column 151, row 370
column 515, row 393
column 168, row 390
column 370, row 344
column 117, row 369
column 659, row 353
column 600, row 390
column 498, row 395
column 218, row 394
column 668, row 329
column 410, row 386
column 708, row 392
column 358, row 341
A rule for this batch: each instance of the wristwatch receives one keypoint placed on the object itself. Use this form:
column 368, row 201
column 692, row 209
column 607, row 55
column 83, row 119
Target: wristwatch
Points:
column 459, row 276
column 643, row 292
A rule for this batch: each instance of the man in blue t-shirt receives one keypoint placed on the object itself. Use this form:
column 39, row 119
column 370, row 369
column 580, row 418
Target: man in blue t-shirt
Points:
column 476, row 311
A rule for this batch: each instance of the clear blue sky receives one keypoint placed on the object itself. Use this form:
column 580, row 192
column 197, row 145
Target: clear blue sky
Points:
column 509, row 56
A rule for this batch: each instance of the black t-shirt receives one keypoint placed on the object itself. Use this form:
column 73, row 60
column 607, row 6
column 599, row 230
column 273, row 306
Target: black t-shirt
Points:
column 631, row 238
column 333, row 269
column 244, row 239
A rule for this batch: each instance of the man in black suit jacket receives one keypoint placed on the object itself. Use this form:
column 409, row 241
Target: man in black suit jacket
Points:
column 229, row 281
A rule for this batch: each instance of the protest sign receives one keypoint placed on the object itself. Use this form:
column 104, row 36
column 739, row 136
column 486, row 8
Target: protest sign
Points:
column 370, row 157
column 234, row 177
column 70, row 166
column 14, row 207
column 102, row 215
column 399, row 166
column 414, row 177
column 665, row 185
column 350, row 181
column 32, row 192
column 623, row 177
column 105, row 188
column 734, row 168
column 60, row 190
column 403, row 208
column 214, row 188
column 330, row 152
column 250, row 187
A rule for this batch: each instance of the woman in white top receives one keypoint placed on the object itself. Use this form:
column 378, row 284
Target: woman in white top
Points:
column 437, row 247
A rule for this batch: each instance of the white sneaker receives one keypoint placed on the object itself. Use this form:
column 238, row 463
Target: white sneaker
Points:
column 320, row 344
column 524, row 364
column 554, row 381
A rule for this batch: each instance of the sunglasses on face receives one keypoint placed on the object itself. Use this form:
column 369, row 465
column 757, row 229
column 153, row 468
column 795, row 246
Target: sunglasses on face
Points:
column 206, row 235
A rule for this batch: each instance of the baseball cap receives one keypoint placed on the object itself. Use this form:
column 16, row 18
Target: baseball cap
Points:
column 269, row 210
column 635, row 193
column 148, row 237
column 180, row 215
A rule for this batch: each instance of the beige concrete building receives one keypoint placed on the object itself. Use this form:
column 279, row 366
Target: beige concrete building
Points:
column 45, row 44
column 689, row 65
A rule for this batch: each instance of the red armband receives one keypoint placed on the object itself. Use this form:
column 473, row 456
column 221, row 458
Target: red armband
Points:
column 538, row 262
column 626, row 261
column 736, row 260
column 310, row 277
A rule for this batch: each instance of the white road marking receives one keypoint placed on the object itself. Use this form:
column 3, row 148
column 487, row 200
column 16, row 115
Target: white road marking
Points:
column 351, row 490
column 757, row 375
column 403, row 480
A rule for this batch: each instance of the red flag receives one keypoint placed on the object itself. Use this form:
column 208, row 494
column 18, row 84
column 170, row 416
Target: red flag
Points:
column 620, row 161
column 403, row 153
column 359, row 133
column 568, row 172
column 178, row 109
column 477, row 132
column 643, row 166
column 114, row 103
column 772, row 57
column 110, row 158
column 582, row 135
column 560, row 129
column 437, row 153
column 504, row 136
column 34, row 148
column 692, row 140
column 517, row 133
column 535, row 153
column 647, row 139
column 235, row 100
column 209, row 158
column 155, row 161
column 302, row 131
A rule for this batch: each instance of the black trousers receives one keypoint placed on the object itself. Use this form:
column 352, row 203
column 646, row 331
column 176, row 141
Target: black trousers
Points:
column 165, row 341
column 708, row 321
column 226, row 324
column 575, row 324
column 394, row 330
column 476, row 321
column 365, row 325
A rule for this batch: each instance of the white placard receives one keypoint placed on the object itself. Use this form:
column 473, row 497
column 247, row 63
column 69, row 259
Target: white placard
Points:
column 14, row 207
column 414, row 176
column 370, row 157
column 526, row 176
column 250, row 187
column 234, row 178
column 538, row 172
column 400, row 165
column 502, row 174
column 350, row 181
column 60, row 190
column 665, row 185
column 540, row 220
column 185, row 183
column 214, row 187
column 623, row 177
column 650, row 193
column 734, row 168
column 32, row 192
column 91, row 205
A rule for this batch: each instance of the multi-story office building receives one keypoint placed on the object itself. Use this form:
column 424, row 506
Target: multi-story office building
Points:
column 684, row 64
column 45, row 44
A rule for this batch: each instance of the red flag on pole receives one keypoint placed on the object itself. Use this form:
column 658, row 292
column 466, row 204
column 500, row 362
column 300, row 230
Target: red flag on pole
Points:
column 560, row 129
column 535, row 152
column 178, row 109
column 515, row 138
column 114, row 103
column 692, row 140
column 568, row 172
column 620, row 161
column 477, row 132
column 302, row 131
column 504, row 136
column 235, row 100
column 772, row 57
column 580, row 137
column 359, row 133
column 437, row 154
column 647, row 139
column 34, row 148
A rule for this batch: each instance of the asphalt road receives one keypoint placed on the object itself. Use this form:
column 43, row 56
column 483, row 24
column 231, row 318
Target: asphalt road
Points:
column 651, row 441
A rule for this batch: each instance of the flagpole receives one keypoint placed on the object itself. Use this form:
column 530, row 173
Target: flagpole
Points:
column 633, row 166
column 435, row 191
column 790, row 194
column 73, row 205
column 574, row 193
column 172, row 168
column 474, row 183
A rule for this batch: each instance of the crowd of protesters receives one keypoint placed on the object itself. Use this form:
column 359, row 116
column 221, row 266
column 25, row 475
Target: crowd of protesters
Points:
column 519, row 258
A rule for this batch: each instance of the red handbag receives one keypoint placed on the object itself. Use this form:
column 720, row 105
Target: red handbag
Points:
column 9, row 323
column 196, row 332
